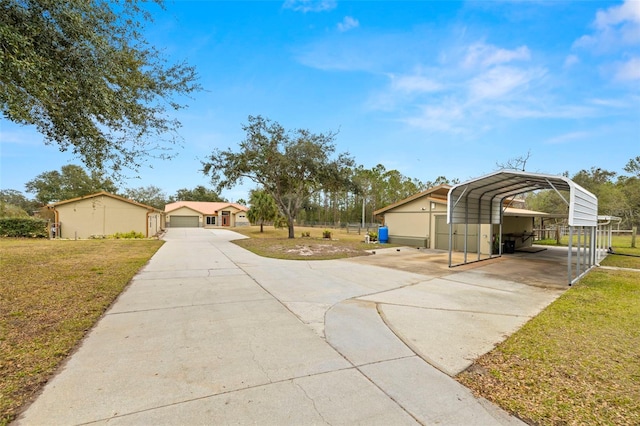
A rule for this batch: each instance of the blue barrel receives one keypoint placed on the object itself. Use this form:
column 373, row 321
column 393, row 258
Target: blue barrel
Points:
column 383, row 234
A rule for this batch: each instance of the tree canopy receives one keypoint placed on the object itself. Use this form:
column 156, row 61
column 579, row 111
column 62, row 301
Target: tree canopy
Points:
column 84, row 76
column 149, row 195
column 263, row 208
column 70, row 182
column 199, row 193
column 617, row 195
column 290, row 166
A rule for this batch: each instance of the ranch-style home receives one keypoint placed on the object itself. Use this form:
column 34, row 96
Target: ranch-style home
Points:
column 204, row 214
column 103, row 214
column 421, row 221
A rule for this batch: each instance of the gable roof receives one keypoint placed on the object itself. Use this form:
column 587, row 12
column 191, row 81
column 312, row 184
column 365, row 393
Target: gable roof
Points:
column 204, row 207
column 104, row 194
column 480, row 200
column 437, row 192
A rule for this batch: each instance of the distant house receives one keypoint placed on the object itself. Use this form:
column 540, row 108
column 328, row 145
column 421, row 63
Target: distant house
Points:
column 205, row 214
column 104, row 214
column 421, row 221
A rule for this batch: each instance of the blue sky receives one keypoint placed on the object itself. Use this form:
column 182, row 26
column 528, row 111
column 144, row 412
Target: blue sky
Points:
column 429, row 88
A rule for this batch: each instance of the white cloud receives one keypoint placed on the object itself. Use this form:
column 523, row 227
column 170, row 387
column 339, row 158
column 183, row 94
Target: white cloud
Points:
column 485, row 55
column 615, row 27
column 567, row 137
column 629, row 70
column 348, row 23
column 414, row 84
column 443, row 118
column 310, row 5
column 501, row 81
column 628, row 11
column 570, row 61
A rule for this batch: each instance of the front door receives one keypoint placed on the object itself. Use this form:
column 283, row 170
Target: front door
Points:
column 226, row 219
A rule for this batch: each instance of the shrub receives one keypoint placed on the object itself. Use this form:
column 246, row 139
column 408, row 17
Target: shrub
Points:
column 326, row 234
column 373, row 236
column 306, row 234
column 131, row 234
column 23, row 227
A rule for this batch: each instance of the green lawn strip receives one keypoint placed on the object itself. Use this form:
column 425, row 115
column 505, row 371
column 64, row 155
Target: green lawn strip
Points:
column 51, row 294
column 578, row 362
column 617, row 241
column 622, row 261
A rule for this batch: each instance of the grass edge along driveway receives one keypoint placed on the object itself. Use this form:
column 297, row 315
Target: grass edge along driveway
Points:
column 577, row 362
column 51, row 295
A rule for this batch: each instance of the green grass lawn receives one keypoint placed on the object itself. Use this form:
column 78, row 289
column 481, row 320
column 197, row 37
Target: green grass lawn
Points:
column 51, row 294
column 576, row 363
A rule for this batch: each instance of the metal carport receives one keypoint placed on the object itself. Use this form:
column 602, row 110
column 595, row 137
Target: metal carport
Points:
column 482, row 201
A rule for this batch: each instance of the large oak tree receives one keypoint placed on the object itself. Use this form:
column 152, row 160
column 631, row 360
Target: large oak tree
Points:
column 70, row 182
column 81, row 72
column 291, row 166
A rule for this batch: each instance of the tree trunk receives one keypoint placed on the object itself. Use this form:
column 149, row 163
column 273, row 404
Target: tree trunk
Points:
column 261, row 225
column 291, row 231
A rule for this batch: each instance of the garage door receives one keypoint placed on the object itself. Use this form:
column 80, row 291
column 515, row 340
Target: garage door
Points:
column 184, row 221
column 442, row 236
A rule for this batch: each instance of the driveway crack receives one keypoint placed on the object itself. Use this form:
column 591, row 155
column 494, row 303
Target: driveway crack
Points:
column 313, row 402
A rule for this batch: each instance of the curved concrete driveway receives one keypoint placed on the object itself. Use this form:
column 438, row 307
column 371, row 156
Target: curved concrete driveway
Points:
column 208, row 333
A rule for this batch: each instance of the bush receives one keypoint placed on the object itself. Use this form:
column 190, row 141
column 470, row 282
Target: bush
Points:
column 23, row 227
column 326, row 234
column 131, row 234
column 373, row 237
column 306, row 234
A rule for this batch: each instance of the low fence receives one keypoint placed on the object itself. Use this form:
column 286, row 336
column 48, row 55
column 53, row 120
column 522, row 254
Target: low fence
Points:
column 621, row 237
column 357, row 228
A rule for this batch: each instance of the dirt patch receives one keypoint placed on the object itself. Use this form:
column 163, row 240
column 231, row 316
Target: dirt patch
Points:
column 318, row 250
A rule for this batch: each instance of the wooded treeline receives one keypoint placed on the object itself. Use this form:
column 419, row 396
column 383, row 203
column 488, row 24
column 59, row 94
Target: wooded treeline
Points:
column 377, row 187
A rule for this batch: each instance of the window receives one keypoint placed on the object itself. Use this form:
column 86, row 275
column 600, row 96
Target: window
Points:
column 211, row 220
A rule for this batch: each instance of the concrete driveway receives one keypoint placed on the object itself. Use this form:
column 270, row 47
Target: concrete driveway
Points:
column 209, row 333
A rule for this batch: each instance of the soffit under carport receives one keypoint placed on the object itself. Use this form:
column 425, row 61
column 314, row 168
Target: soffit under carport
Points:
column 481, row 200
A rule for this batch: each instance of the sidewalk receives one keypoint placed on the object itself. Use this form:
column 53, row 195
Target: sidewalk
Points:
column 209, row 333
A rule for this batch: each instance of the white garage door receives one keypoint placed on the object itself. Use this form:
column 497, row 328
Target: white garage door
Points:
column 184, row 222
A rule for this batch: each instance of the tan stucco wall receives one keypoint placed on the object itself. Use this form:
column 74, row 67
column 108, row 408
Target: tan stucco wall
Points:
column 101, row 215
column 517, row 226
column 410, row 220
column 155, row 223
column 241, row 219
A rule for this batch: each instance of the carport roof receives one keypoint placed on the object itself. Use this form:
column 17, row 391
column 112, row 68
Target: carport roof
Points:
column 481, row 200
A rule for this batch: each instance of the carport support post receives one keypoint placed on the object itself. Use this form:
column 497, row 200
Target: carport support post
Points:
column 570, row 254
column 478, row 231
column 450, row 240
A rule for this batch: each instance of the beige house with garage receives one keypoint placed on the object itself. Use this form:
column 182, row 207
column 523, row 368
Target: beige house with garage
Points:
column 104, row 214
column 421, row 221
column 205, row 214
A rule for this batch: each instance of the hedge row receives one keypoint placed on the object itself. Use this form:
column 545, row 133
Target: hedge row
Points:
column 23, row 227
